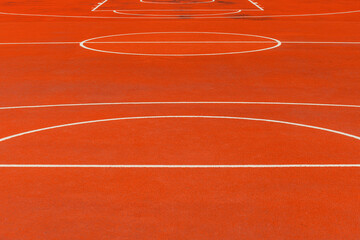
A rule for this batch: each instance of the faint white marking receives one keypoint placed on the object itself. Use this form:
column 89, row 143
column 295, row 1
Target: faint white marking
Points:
column 180, row 166
column 176, row 103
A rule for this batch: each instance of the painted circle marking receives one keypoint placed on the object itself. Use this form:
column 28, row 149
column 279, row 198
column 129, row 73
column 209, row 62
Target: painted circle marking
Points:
column 180, row 43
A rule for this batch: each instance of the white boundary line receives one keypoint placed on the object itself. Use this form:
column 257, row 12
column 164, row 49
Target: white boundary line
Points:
column 176, row 17
column 179, row 103
column 276, row 42
column 179, row 166
column 145, row 42
column 240, row 17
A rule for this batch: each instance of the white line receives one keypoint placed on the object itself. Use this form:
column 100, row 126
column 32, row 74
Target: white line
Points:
column 181, row 166
column 256, row 5
column 176, row 103
column 108, row 42
column 37, row 43
column 99, row 5
column 178, row 117
column 305, row 42
column 214, row 17
column 178, row 14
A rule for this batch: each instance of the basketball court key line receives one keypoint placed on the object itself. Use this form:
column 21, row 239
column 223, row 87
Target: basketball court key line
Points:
column 180, row 166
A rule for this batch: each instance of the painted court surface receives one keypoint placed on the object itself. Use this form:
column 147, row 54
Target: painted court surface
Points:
column 180, row 119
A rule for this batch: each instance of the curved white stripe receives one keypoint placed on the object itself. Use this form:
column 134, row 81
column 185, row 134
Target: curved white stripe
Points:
column 177, row 14
column 175, row 103
column 180, row 116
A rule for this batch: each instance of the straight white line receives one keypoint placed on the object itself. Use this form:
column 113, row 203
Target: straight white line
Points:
column 37, row 43
column 181, row 166
column 99, row 5
column 176, row 103
column 169, row 42
column 304, row 42
column 256, row 5
column 144, row 17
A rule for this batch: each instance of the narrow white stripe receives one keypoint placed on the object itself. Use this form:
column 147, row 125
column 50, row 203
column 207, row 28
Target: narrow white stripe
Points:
column 99, row 5
column 180, row 166
column 169, row 42
column 169, row 103
column 256, row 5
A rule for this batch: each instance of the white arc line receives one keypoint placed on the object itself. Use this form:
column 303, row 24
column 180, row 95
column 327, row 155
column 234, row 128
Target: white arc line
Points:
column 179, row 117
column 180, row 166
column 177, row 103
column 177, row 14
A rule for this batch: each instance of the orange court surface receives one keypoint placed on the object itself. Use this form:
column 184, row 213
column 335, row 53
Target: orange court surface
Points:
column 180, row 120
